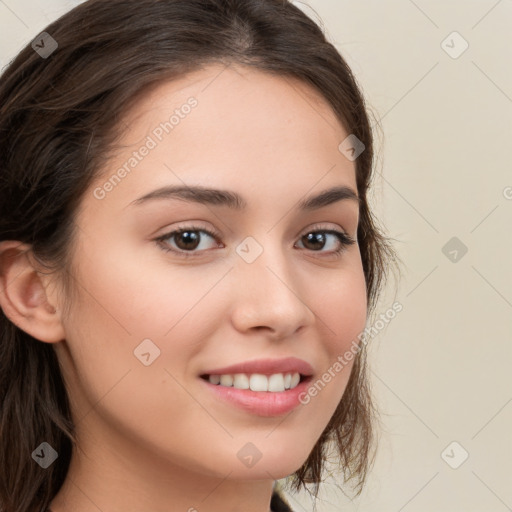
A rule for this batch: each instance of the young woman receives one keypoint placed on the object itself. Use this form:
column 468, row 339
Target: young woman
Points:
column 187, row 260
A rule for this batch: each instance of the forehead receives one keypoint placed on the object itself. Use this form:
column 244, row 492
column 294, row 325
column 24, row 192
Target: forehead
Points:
column 233, row 128
column 235, row 100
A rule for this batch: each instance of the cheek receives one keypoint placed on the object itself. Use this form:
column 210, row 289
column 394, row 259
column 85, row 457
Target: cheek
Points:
column 128, row 299
column 342, row 308
column 137, row 293
column 122, row 302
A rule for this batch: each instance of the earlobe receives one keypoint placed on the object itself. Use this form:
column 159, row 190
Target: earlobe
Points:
column 23, row 294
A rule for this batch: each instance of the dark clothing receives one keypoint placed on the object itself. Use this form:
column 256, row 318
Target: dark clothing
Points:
column 277, row 504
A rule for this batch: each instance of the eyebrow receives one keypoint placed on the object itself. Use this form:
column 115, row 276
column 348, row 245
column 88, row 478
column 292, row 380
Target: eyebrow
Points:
column 218, row 197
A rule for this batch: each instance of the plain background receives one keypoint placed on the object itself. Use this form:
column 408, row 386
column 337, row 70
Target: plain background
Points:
column 441, row 367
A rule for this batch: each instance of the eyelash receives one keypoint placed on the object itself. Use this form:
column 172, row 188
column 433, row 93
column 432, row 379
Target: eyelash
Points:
column 344, row 239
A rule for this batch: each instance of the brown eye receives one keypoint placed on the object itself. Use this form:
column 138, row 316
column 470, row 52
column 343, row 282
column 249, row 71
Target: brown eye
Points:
column 186, row 241
column 314, row 240
column 317, row 240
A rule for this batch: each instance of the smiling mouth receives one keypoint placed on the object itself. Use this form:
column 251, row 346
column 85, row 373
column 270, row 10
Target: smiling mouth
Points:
column 276, row 382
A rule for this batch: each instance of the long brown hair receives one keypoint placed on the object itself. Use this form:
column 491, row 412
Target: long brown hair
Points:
column 59, row 119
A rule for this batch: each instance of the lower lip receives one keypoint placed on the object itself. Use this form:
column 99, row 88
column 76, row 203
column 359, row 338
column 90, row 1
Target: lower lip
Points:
column 261, row 403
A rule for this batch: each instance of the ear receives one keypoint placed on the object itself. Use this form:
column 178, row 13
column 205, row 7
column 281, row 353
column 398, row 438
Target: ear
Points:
column 23, row 294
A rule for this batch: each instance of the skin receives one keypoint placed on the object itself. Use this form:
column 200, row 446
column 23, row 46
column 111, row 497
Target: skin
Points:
column 151, row 437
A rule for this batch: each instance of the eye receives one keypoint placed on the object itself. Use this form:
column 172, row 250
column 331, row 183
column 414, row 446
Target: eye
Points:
column 187, row 239
column 190, row 238
column 317, row 238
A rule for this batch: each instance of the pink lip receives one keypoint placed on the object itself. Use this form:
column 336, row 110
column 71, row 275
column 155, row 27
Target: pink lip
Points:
column 261, row 403
column 266, row 367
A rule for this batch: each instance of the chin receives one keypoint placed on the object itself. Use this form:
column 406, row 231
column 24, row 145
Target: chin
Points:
column 270, row 468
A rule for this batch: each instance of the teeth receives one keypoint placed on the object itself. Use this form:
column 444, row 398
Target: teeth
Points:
column 258, row 382
column 276, row 382
column 241, row 381
column 226, row 380
column 214, row 379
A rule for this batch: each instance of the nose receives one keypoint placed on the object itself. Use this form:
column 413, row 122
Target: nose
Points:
column 270, row 296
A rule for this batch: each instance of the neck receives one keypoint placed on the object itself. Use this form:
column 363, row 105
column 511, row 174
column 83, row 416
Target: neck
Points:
column 117, row 475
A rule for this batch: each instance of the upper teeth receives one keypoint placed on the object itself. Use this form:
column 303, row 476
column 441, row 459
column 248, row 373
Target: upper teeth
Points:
column 257, row 382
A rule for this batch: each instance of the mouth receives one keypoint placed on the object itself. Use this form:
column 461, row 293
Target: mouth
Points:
column 264, row 395
column 258, row 382
column 261, row 375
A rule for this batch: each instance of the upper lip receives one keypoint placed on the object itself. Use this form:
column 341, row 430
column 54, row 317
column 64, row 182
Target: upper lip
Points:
column 266, row 367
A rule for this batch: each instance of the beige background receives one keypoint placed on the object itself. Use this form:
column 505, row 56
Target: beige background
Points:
column 441, row 369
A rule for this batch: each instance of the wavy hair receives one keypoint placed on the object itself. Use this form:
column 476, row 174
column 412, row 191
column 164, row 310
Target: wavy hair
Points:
column 59, row 119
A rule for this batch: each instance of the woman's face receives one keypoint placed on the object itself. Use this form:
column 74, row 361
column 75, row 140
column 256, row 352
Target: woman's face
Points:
column 150, row 323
